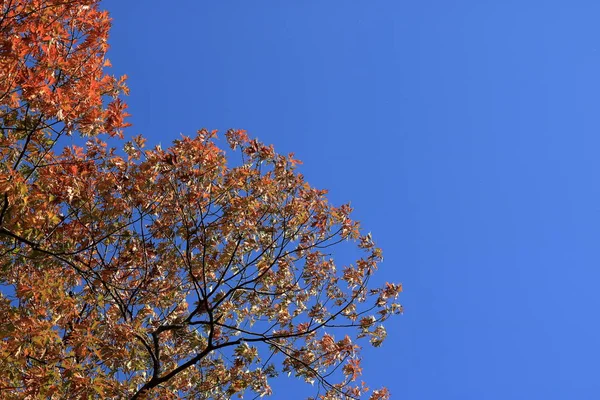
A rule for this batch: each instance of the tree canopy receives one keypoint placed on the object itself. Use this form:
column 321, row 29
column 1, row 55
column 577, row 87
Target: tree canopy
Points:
column 136, row 272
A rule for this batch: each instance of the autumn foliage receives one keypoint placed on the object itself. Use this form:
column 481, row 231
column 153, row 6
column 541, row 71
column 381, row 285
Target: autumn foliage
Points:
column 138, row 272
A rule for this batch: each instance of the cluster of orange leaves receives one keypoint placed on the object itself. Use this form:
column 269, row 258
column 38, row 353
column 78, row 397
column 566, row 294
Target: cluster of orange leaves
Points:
column 159, row 273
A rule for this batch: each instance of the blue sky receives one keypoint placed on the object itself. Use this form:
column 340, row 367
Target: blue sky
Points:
column 466, row 136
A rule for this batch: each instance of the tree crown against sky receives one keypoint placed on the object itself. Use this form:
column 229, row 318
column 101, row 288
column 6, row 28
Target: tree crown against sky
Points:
column 159, row 273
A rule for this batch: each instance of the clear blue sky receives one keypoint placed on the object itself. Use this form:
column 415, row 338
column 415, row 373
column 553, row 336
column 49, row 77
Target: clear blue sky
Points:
column 465, row 133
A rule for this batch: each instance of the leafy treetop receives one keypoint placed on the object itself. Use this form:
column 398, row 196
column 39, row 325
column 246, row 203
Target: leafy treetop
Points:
column 160, row 273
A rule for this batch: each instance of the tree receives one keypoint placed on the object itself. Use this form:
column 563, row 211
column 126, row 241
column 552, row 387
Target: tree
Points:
column 151, row 273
